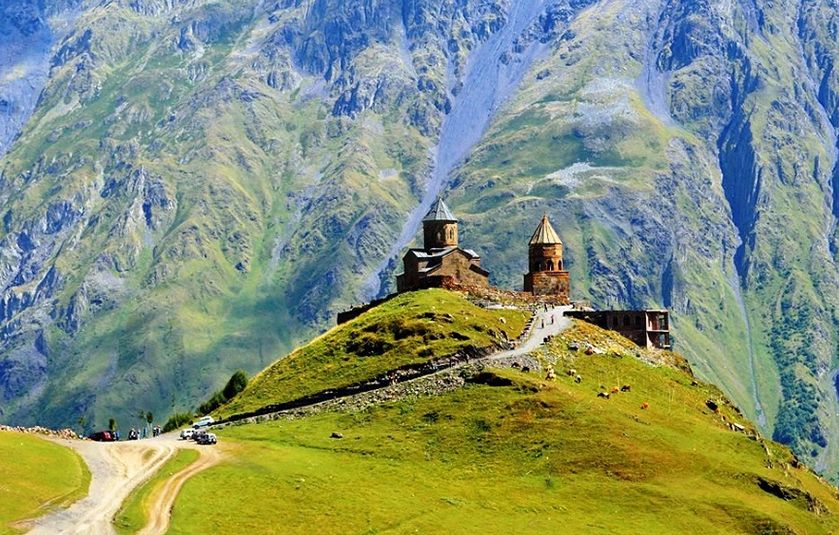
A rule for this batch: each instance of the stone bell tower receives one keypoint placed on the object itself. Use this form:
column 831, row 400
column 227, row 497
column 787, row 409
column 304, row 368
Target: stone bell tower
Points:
column 547, row 275
column 439, row 227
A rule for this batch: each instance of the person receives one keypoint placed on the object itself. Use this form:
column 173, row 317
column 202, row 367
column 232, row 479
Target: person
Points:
column 145, row 431
column 116, row 435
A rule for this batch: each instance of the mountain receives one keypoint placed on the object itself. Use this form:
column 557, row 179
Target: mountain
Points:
column 190, row 187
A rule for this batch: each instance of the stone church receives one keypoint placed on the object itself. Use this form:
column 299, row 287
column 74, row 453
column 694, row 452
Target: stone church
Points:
column 441, row 262
column 547, row 275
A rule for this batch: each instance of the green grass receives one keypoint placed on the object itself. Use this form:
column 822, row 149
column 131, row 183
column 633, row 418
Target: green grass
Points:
column 532, row 457
column 134, row 516
column 410, row 329
column 35, row 476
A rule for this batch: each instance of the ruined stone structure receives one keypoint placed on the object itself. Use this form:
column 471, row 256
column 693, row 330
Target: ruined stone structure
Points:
column 647, row 328
column 547, row 275
column 441, row 263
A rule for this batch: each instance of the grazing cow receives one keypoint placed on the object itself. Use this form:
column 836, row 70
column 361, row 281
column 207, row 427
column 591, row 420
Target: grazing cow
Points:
column 604, row 395
column 615, row 390
column 626, row 388
column 645, row 405
column 578, row 379
column 571, row 373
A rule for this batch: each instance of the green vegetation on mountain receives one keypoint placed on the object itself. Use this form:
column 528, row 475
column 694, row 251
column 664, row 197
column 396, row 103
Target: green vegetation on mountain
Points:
column 528, row 455
column 134, row 515
column 412, row 328
column 37, row 476
column 202, row 185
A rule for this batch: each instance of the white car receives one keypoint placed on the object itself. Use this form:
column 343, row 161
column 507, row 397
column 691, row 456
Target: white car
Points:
column 186, row 434
column 203, row 422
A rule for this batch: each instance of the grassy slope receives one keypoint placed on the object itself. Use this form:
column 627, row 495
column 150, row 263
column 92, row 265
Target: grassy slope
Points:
column 133, row 515
column 534, row 457
column 409, row 329
column 36, row 475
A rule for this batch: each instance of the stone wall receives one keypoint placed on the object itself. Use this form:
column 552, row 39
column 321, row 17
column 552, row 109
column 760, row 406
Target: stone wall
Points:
column 556, row 283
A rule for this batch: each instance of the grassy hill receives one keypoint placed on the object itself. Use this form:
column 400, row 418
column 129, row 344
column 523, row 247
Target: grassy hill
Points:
column 410, row 329
column 526, row 455
column 36, row 475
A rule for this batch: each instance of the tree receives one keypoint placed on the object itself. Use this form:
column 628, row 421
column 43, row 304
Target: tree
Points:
column 83, row 421
column 238, row 381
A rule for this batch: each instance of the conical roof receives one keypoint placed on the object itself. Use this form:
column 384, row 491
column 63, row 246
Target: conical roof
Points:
column 439, row 212
column 545, row 234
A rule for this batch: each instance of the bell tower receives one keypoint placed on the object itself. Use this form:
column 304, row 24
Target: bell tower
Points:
column 439, row 227
column 547, row 275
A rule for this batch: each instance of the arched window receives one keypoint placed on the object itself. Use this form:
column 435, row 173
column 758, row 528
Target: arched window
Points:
column 550, row 265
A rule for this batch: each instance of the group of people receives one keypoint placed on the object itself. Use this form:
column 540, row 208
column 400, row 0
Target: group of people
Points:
column 134, row 434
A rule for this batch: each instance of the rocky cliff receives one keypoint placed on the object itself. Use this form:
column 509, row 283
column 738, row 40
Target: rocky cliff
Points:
column 192, row 186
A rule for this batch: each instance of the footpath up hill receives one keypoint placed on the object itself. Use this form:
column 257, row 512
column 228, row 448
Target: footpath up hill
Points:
column 409, row 330
column 509, row 452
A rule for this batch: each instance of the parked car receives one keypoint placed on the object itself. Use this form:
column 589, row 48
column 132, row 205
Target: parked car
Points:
column 197, row 435
column 186, row 434
column 208, row 438
column 203, row 422
column 102, row 436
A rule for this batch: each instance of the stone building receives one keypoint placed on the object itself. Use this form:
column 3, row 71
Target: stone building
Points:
column 547, row 275
column 441, row 262
column 647, row 328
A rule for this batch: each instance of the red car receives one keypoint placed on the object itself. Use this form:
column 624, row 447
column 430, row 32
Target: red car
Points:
column 102, row 436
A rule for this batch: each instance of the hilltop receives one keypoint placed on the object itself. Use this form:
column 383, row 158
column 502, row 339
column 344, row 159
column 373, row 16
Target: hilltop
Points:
column 506, row 449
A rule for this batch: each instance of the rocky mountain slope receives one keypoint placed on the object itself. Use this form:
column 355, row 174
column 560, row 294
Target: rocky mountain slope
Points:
column 195, row 185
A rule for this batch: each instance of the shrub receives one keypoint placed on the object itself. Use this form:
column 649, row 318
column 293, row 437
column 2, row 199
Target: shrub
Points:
column 179, row 419
column 237, row 382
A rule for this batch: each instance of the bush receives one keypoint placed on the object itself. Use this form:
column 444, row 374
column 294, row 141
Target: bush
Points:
column 177, row 420
column 237, row 382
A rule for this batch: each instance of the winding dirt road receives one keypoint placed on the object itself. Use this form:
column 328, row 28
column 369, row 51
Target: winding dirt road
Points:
column 117, row 469
column 164, row 499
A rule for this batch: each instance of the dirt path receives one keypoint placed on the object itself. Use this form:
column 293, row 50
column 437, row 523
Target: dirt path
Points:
column 117, row 469
column 546, row 323
column 161, row 508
